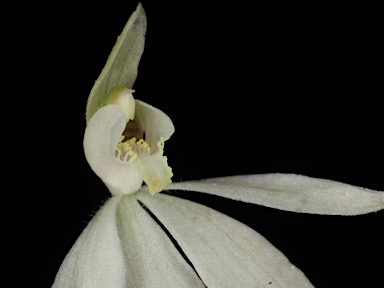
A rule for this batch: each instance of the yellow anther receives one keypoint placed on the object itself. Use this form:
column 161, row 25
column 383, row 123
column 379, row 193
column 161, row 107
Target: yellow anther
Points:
column 153, row 167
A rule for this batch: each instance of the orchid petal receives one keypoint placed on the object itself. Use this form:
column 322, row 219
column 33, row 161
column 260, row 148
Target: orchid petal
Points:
column 96, row 259
column 122, row 63
column 158, row 128
column 102, row 136
column 291, row 192
column 155, row 122
column 224, row 252
column 100, row 140
column 151, row 258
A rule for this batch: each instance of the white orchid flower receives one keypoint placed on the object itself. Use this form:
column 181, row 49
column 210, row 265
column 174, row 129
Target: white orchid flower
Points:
column 127, row 243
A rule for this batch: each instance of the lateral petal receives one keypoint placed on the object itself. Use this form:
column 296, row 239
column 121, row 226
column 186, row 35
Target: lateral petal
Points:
column 96, row 259
column 151, row 258
column 224, row 252
column 291, row 192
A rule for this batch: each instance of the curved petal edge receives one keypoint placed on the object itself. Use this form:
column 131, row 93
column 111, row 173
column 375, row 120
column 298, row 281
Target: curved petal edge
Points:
column 291, row 192
column 224, row 252
column 96, row 259
column 122, row 63
column 100, row 140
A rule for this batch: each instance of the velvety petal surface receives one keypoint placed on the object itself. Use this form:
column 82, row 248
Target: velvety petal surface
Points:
column 101, row 137
column 291, row 192
column 96, row 259
column 156, row 123
column 224, row 252
column 122, row 246
column 100, row 140
column 151, row 258
column 122, row 63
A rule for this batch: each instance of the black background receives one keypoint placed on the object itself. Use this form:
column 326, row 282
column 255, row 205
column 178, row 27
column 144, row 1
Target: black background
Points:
column 250, row 89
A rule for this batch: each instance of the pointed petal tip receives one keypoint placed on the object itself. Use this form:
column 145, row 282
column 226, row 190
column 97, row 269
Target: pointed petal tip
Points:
column 122, row 64
column 291, row 192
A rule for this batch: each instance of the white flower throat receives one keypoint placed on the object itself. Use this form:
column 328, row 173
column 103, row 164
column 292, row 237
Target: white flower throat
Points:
column 133, row 149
